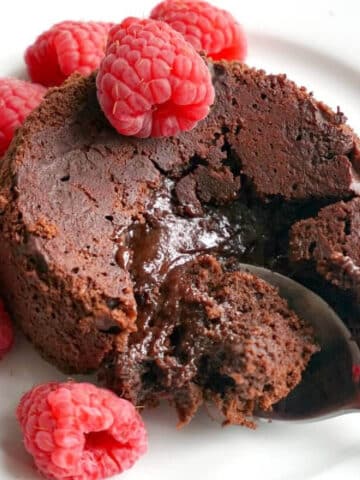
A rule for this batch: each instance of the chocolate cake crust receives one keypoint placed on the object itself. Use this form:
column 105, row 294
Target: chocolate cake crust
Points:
column 73, row 192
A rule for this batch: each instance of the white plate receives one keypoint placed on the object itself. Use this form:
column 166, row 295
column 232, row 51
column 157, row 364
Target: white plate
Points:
column 317, row 44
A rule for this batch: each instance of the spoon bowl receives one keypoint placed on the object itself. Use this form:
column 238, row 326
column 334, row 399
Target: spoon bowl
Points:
column 329, row 385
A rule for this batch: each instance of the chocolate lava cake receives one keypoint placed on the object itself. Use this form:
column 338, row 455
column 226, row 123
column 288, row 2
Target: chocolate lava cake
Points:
column 122, row 255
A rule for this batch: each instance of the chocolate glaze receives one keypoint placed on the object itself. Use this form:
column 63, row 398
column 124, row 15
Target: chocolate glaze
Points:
column 93, row 223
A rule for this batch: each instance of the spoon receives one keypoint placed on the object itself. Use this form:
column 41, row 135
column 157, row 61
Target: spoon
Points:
column 330, row 385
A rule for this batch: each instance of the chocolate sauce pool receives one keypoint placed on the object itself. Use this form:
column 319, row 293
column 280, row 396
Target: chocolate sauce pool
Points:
column 166, row 239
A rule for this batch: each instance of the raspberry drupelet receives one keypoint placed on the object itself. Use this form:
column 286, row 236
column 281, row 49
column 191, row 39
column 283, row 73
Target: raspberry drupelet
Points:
column 151, row 81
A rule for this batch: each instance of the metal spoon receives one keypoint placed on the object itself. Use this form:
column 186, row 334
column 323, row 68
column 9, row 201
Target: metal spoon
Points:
column 330, row 384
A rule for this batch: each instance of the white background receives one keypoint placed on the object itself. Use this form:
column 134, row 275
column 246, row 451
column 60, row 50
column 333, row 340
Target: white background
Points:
column 318, row 44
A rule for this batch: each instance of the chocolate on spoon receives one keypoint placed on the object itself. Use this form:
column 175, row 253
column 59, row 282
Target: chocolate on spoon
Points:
column 330, row 383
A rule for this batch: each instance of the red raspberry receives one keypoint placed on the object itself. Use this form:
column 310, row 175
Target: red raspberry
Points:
column 6, row 331
column 151, row 81
column 206, row 27
column 80, row 432
column 65, row 48
column 17, row 100
column 356, row 373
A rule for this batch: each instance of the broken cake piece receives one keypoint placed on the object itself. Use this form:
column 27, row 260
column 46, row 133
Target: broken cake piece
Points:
column 220, row 336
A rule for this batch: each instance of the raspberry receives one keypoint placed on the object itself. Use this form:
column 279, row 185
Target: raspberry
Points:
column 151, row 81
column 80, row 432
column 65, row 48
column 17, row 100
column 356, row 373
column 6, row 332
column 206, row 27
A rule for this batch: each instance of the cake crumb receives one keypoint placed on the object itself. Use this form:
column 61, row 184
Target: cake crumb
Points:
column 44, row 229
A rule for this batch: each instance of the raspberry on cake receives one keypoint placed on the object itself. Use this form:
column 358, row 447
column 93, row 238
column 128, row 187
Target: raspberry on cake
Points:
column 97, row 228
column 65, row 48
column 151, row 81
column 208, row 28
column 17, row 100
column 78, row 431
